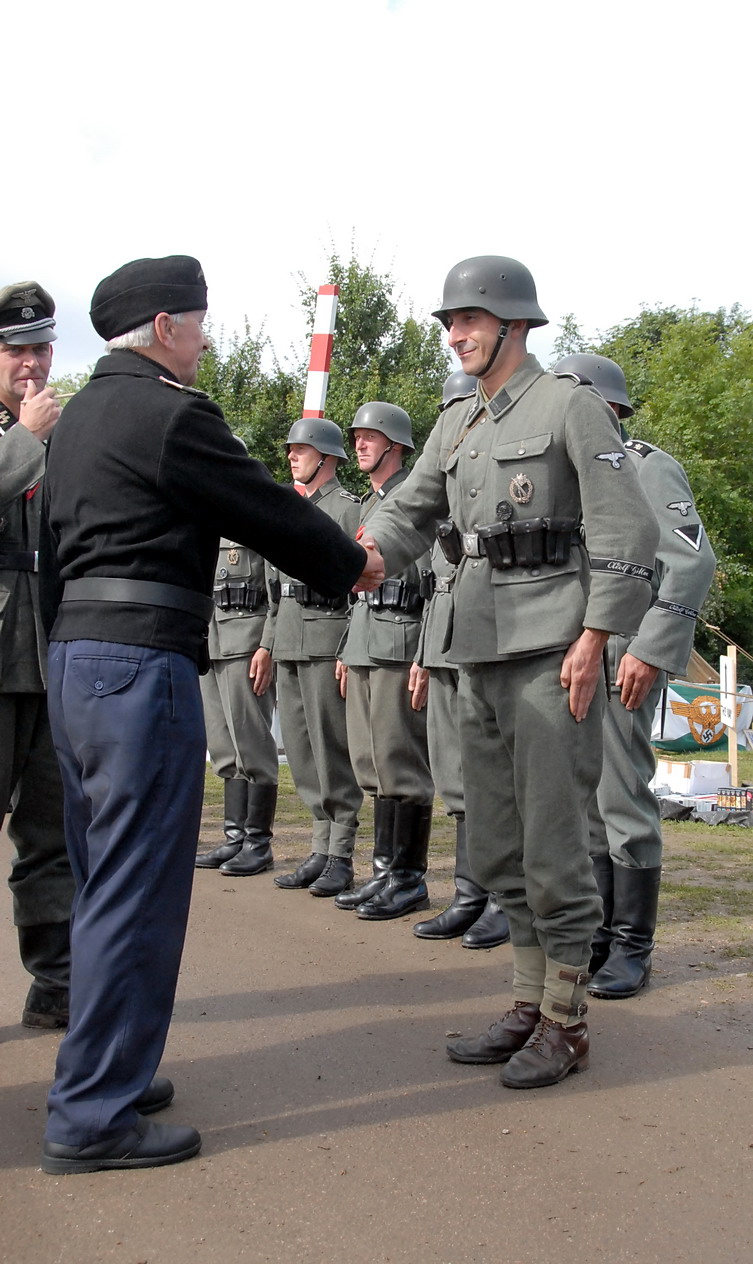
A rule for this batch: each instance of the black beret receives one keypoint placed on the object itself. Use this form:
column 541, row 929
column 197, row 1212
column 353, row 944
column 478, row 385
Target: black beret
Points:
column 138, row 291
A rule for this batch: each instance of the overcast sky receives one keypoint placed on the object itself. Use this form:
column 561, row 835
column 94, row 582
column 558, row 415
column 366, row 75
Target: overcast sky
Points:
column 606, row 145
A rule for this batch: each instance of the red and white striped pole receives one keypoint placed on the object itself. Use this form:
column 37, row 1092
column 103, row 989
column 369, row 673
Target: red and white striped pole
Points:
column 321, row 351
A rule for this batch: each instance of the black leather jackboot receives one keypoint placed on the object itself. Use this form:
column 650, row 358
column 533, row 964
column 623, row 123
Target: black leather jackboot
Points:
column 405, row 888
column 468, row 902
column 384, row 832
column 491, row 929
column 628, row 966
column 602, row 941
column 236, row 800
column 255, row 855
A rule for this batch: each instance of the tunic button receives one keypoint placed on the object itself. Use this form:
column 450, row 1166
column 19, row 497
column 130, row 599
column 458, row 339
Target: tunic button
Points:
column 223, row 572
column 99, row 684
column 473, row 453
column 398, row 619
column 473, row 492
column 474, row 565
column 535, row 573
column 521, row 451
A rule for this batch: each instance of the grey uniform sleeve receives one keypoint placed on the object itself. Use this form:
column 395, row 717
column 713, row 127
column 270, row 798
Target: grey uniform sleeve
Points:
column 685, row 564
column 21, row 463
column 620, row 526
column 273, row 601
column 403, row 526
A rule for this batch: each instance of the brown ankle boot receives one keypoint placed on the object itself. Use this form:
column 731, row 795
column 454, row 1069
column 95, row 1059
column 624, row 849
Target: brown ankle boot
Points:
column 502, row 1040
column 549, row 1056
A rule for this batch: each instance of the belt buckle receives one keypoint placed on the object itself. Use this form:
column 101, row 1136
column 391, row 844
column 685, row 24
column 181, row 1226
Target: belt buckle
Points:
column 471, row 544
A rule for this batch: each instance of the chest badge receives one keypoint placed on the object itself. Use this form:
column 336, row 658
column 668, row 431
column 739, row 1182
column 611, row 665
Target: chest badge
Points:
column 521, row 489
column 233, row 557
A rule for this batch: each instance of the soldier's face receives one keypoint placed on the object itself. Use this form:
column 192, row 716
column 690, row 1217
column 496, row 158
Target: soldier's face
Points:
column 303, row 460
column 190, row 343
column 369, row 446
column 473, row 336
column 19, row 365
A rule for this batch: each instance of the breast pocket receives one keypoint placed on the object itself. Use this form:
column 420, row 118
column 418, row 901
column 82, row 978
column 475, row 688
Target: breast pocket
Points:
column 524, row 472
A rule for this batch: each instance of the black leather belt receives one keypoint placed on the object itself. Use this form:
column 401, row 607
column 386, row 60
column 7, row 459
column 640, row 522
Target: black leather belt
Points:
column 18, row 562
column 139, row 592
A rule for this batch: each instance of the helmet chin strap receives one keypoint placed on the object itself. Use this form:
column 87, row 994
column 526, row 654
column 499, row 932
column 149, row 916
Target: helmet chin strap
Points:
column 305, row 481
column 497, row 348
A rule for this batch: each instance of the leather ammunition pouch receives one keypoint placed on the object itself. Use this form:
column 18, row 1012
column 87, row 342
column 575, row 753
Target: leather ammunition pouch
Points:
column 238, row 594
column 395, row 594
column 525, row 542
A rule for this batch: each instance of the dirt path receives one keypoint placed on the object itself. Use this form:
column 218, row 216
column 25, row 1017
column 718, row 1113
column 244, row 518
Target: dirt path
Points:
column 308, row 1048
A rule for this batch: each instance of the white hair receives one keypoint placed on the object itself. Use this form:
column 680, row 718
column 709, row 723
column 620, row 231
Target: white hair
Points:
column 143, row 336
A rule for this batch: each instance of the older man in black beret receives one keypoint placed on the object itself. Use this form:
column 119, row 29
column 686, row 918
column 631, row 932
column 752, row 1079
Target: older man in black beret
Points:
column 30, row 786
column 143, row 478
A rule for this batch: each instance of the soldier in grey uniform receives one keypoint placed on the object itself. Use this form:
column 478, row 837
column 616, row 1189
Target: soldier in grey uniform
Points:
column 474, row 913
column 517, row 470
column 30, row 787
column 312, row 709
column 238, row 694
column 386, row 691
column 626, row 840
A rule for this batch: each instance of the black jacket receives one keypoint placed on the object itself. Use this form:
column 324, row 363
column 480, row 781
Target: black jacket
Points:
column 142, row 478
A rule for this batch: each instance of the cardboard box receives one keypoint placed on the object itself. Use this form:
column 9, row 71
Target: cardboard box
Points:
column 693, row 776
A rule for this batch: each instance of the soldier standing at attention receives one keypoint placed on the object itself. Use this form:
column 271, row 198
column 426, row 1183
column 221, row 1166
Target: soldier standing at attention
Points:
column 474, row 913
column 386, row 691
column 239, row 698
column 30, row 785
column 309, row 629
column 143, row 477
column 626, row 840
column 518, row 469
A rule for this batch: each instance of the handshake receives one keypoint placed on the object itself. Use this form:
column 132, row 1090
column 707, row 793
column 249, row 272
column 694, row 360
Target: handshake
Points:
column 373, row 572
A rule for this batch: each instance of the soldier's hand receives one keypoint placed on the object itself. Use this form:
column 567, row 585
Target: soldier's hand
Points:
column 261, row 669
column 39, row 410
column 634, row 680
column 373, row 572
column 418, row 684
column 341, row 675
column 581, row 668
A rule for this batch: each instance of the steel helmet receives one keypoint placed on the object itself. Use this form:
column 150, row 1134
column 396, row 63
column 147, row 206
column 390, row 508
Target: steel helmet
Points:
column 606, row 376
column 393, row 422
column 459, row 385
column 325, row 436
column 494, row 283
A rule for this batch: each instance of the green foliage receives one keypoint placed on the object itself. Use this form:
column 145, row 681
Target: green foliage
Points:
column 570, row 339
column 690, row 378
column 70, row 383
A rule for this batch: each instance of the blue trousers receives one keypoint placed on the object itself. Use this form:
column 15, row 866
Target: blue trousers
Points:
column 128, row 728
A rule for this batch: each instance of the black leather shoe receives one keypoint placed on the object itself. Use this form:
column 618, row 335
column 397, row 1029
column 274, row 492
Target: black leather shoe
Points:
column 252, row 858
column 549, row 1056
column 156, row 1097
column 354, row 899
column 452, row 923
column 145, row 1145
column 489, row 930
column 213, row 859
column 305, row 874
column 504, row 1038
column 45, row 1007
column 336, row 876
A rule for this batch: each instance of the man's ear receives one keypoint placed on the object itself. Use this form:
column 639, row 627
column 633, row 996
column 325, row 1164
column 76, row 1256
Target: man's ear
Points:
column 163, row 329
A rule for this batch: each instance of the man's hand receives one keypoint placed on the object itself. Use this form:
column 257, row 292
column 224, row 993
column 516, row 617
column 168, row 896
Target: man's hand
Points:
column 634, row 679
column 580, row 670
column 39, row 410
column 261, row 669
column 418, row 684
column 341, row 675
column 373, row 572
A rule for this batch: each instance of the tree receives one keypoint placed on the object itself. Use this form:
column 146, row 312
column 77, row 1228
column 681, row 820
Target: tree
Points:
column 70, row 383
column 569, row 340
